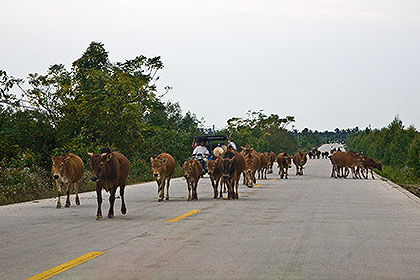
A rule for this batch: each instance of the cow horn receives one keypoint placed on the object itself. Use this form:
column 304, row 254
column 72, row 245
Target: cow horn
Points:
column 90, row 154
column 103, row 155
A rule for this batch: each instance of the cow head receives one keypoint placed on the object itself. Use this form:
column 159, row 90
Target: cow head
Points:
column 98, row 165
column 59, row 165
column 303, row 159
column 228, row 166
column 187, row 169
column 213, row 164
column 379, row 166
column 247, row 149
column 158, row 166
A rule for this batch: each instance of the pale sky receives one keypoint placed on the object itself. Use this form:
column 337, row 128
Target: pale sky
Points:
column 328, row 63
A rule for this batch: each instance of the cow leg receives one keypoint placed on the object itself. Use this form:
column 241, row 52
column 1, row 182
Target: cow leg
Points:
column 123, row 207
column 215, row 187
column 222, row 185
column 69, row 185
column 189, row 190
column 265, row 174
column 371, row 172
column 194, row 190
column 76, row 189
column 111, row 203
column 161, row 190
column 167, row 188
column 237, row 187
column 59, row 194
column 245, row 179
column 99, row 200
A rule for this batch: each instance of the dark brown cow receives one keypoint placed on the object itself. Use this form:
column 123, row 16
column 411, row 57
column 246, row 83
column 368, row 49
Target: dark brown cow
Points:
column 285, row 162
column 252, row 164
column 67, row 169
column 214, row 167
column 192, row 172
column 265, row 161
column 109, row 171
column 163, row 167
column 233, row 165
column 370, row 164
column 299, row 159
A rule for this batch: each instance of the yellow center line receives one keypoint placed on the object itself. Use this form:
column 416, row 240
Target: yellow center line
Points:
column 65, row 266
column 256, row 186
column 273, row 179
column 177, row 219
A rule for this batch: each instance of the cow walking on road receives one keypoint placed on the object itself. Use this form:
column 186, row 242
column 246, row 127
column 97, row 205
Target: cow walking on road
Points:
column 299, row 159
column 109, row 171
column 215, row 171
column 192, row 172
column 163, row 167
column 67, row 170
column 285, row 162
column 233, row 165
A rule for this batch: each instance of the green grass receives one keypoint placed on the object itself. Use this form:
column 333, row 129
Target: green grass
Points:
column 404, row 177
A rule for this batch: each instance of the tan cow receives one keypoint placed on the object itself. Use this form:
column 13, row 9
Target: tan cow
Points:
column 285, row 162
column 67, row 169
column 233, row 165
column 300, row 159
column 252, row 164
column 214, row 167
column 110, row 171
column 192, row 172
column 163, row 167
column 247, row 150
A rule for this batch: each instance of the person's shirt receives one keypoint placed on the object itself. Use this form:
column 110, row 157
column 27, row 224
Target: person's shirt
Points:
column 201, row 150
column 233, row 145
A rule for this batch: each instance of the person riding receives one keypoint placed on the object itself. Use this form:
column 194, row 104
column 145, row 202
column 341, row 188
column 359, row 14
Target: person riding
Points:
column 202, row 150
column 232, row 145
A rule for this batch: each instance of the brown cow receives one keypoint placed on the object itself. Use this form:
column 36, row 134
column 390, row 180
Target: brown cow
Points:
column 192, row 172
column 285, row 162
column 252, row 164
column 247, row 150
column 109, row 171
column 214, row 167
column 67, row 169
column 343, row 161
column 299, row 159
column 163, row 167
column 273, row 158
column 233, row 165
column 265, row 161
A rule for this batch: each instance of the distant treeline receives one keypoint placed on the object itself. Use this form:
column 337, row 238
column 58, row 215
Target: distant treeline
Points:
column 100, row 103
column 396, row 147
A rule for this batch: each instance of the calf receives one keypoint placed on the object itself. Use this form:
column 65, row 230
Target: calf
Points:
column 109, row 171
column 215, row 171
column 343, row 161
column 265, row 161
column 67, row 169
column 285, row 162
column 370, row 164
column 192, row 172
column 233, row 164
column 299, row 159
column 273, row 158
column 163, row 167
column 252, row 164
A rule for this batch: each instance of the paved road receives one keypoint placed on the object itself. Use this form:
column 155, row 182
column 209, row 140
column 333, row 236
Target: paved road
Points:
column 306, row 227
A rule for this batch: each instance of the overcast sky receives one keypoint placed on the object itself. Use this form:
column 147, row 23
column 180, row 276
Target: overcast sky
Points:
column 329, row 63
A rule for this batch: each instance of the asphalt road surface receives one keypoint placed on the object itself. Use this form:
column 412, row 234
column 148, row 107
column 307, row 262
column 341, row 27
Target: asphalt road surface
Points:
column 306, row 227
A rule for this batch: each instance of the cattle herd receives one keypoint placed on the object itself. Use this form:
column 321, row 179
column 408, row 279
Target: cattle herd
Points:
column 110, row 171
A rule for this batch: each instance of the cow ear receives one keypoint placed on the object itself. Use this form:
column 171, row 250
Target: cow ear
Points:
column 164, row 160
column 90, row 154
column 108, row 157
